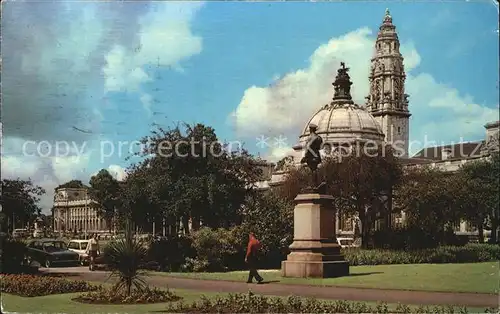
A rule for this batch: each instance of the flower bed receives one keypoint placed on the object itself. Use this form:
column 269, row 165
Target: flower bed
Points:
column 250, row 303
column 470, row 253
column 115, row 296
column 34, row 286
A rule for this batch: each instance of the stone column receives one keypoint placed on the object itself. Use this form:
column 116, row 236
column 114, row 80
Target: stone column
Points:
column 314, row 251
column 463, row 226
column 337, row 225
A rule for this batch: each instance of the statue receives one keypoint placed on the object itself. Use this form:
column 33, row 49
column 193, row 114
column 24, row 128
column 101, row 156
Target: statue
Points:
column 312, row 156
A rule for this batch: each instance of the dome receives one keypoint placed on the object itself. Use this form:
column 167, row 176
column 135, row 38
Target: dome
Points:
column 345, row 123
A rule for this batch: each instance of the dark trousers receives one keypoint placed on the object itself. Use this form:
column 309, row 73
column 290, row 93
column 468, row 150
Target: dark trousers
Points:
column 252, row 266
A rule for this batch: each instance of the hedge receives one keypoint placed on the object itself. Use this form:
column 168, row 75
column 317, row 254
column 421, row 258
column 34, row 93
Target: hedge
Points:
column 34, row 286
column 251, row 303
column 470, row 253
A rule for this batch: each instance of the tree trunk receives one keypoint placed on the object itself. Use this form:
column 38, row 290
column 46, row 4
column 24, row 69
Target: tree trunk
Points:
column 364, row 229
column 494, row 227
column 195, row 223
column 480, row 232
column 185, row 224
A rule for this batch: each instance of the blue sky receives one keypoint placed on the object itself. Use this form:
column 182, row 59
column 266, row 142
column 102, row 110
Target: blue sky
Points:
column 247, row 69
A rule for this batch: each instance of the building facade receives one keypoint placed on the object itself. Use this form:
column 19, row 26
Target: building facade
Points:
column 73, row 212
column 383, row 118
column 387, row 101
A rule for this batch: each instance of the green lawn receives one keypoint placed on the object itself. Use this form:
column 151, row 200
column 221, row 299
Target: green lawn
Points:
column 474, row 277
column 62, row 303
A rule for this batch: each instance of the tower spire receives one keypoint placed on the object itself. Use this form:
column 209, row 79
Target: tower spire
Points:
column 387, row 17
column 387, row 101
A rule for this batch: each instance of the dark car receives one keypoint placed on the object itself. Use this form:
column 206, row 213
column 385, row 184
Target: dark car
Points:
column 51, row 253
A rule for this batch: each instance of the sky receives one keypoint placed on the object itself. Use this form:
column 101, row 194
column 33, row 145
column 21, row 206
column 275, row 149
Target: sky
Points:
column 82, row 81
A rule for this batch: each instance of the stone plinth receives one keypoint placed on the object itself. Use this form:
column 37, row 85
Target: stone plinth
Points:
column 314, row 251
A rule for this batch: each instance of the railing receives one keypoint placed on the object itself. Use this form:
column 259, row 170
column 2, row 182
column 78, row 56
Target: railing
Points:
column 73, row 203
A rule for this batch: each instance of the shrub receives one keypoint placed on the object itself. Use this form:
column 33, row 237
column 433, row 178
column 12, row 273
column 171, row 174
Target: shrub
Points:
column 251, row 303
column 33, row 286
column 124, row 258
column 470, row 253
column 215, row 248
column 12, row 255
column 118, row 296
column 172, row 252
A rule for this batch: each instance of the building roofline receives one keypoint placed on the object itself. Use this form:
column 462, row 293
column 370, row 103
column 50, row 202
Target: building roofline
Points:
column 493, row 124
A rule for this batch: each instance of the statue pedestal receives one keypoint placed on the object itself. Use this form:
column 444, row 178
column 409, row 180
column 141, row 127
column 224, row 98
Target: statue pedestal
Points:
column 314, row 251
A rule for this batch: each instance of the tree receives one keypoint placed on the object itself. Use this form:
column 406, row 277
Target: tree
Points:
column 189, row 174
column 270, row 217
column 428, row 196
column 139, row 200
column 361, row 183
column 20, row 202
column 73, row 184
column 105, row 192
column 478, row 194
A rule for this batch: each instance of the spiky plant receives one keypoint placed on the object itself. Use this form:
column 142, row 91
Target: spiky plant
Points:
column 124, row 258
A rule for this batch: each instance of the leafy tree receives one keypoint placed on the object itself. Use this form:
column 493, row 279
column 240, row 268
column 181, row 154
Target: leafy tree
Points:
column 73, row 184
column 139, row 200
column 189, row 174
column 105, row 191
column 478, row 194
column 361, row 183
column 20, row 202
column 428, row 196
column 270, row 217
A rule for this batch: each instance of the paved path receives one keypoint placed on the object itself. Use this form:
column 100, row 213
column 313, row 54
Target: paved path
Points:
column 321, row 292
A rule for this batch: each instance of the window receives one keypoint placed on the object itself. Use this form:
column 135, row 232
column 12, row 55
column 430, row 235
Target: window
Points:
column 74, row 245
column 83, row 245
column 399, row 130
column 52, row 246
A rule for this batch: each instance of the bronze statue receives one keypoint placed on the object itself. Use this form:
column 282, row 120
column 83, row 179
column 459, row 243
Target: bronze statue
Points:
column 312, row 156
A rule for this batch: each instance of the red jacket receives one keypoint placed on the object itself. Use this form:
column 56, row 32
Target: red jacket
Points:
column 253, row 246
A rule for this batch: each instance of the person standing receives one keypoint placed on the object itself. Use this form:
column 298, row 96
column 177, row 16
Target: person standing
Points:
column 251, row 258
column 93, row 250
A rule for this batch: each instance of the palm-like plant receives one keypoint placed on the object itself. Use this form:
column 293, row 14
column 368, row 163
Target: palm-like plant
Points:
column 124, row 257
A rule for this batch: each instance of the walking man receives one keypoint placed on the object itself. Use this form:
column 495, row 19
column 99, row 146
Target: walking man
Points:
column 93, row 250
column 251, row 258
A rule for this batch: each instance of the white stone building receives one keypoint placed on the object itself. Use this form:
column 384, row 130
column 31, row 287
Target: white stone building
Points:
column 383, row 118
column 72, row 212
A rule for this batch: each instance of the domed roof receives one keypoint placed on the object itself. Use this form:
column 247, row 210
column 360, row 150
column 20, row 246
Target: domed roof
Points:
column 344, row 123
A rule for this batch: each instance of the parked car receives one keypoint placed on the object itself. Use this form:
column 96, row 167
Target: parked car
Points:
column 51, row 252
column 20, row 233
column 79, row 247
column 38, row 233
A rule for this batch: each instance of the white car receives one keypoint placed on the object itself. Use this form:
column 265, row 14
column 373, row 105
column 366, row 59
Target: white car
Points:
column 20, row 233
column 79, row 246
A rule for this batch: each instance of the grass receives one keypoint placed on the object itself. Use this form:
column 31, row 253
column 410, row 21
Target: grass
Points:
column 62, row 303
column 474, row 277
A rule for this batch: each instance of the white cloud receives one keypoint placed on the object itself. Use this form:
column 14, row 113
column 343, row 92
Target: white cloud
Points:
column 439, row 111
column 165, row 39
column 117, row 172
column 276, row 154
column 47, row 172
